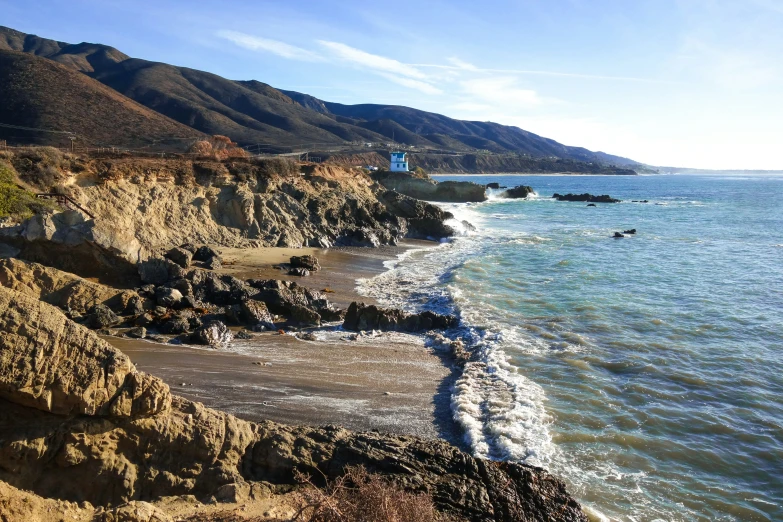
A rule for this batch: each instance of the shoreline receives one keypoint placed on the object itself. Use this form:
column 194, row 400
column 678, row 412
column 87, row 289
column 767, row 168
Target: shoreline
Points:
column 390, row 382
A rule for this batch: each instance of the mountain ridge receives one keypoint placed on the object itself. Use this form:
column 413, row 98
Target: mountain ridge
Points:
column 252, row 112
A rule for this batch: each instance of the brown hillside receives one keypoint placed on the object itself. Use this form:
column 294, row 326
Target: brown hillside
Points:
column 39, row 93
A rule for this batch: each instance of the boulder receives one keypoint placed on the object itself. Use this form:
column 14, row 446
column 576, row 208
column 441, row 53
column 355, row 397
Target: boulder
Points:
column 518, row 192
column 158, row 270
column 301, row 272
column 362, row 317
column 179, row 323
column 424, row 220
column 180, row 256
column 205, row 253
column 134, row 511
column 221, row 290
column 213, row 333
column 493, row 185
column 618, row 234
column 138, row 332
column 305, row 316
column 631, row 231
column 254, row 312
column 213, row 263
column 167, row 297
column 308, row 262
column 101, row 316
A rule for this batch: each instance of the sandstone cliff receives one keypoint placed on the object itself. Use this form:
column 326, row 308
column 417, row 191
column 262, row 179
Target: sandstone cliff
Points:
column 143, row 207
column 81, row 424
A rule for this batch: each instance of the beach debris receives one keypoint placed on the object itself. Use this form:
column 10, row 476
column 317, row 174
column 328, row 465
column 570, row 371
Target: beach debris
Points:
column 281, row 332
column 327, row 290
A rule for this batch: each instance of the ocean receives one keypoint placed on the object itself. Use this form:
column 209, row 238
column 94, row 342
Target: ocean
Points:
column 645, row 371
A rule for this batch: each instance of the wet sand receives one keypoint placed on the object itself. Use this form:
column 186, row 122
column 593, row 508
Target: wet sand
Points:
column 390, row 383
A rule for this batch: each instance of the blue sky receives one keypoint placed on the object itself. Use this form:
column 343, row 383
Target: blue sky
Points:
column 690, row 83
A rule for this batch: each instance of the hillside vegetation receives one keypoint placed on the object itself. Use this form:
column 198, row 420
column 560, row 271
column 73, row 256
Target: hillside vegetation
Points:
column 39, row 93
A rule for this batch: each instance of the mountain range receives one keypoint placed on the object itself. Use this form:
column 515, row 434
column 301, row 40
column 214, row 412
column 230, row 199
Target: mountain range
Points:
column 60, row 86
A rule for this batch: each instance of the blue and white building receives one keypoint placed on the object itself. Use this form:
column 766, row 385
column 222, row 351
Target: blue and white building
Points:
column 398, row 162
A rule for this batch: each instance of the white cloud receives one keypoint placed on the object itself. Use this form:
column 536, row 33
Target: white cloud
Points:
column 372, row 61
column 460, row 64
column 256, row 43
column 389, row 68
column 419, row 85
column 501, row 91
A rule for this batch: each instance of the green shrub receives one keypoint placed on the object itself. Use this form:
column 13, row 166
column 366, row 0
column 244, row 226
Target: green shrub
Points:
column 16, row 202
column 277, row 167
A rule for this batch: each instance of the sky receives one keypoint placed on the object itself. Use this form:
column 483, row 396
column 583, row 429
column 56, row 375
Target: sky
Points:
column 686, row 83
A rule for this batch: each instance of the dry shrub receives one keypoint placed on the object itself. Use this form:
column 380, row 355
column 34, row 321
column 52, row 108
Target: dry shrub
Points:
column 277, row 167
column 15, row 202
column 218, row 147
column 41, row 167
column 359, row 496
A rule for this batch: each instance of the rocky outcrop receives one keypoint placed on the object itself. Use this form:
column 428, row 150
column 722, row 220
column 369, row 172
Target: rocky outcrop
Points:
column 68, row 242
column 518, row 192
column 67, row 291
column 585, row 197
column 362, row 317
column 424, row 220
column 431, row 190
column 50, row 363
column 80, row 424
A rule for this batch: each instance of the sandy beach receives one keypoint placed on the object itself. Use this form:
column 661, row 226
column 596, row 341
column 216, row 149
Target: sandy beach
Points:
column 389, row 383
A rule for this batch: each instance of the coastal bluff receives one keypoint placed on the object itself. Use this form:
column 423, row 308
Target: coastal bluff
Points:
column 82, row 425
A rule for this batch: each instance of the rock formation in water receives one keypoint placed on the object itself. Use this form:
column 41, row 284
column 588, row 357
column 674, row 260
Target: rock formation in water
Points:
column 518, row 192
column 81, row 424
column 431, row 190
column 361, row 317
column 585, row 197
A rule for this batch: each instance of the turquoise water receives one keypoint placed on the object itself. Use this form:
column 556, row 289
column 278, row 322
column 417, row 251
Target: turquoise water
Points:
column 646, row 371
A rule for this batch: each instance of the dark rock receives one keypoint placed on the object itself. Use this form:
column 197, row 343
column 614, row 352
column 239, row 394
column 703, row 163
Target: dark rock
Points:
column 424, row 220
column 138, row 332
column 213, row 263
column 305, row 316
column 189, row 302
column 585, row 197
column 591, row 204
column 183, row 285
column 106, row 331
column 618, row 234
column 148, row 290
column 308, row 262
column 244, row 335
column 361, row 237
column 168, row 297
column 180, row 256
column 301, row 272
column 158, row 270
column 210, row 287
column 177, row 324
column 213, row 333
column 205, row 253
column 369, row 317
column 190, row 247
column 138, row 305
column 254, row 312
column 146, row 319
column 101, row 316
column 493, row 185
column 521, row 191
column 631, row 231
